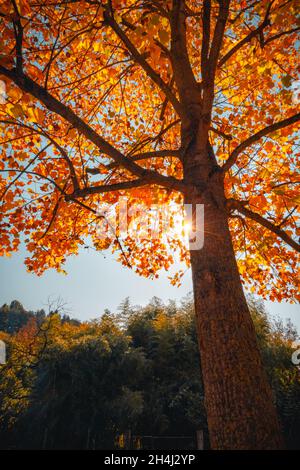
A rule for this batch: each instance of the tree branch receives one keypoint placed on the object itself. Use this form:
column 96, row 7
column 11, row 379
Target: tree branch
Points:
column 246, row 39
column 141, row 156
column 209, row 58
column 282, row 33
column 105, row 188
column 62, row 151
column 155, row 77
column 220, row 133
column 255, row 137
column 240, row 207
column 11, row 183
column 205, row 38
column 217, row 40
column 18, row 28
column 54, row 105
column 184, row 76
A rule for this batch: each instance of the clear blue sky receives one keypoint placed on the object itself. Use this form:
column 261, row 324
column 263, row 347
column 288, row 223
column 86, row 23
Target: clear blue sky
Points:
column 95, row 282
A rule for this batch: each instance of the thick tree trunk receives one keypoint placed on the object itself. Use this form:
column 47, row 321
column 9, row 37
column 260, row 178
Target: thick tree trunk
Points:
column 239, row 402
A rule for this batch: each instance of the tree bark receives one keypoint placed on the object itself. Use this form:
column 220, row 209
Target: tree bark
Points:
column 239, row 402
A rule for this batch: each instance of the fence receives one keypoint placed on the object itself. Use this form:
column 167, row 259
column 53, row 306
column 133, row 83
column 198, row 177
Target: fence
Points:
column 129, row 441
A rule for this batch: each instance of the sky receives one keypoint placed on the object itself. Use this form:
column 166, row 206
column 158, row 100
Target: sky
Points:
column 96, row 281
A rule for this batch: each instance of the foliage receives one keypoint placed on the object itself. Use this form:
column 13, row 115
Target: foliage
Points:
column 14, row 316
column 106, row 98
column 78, row 385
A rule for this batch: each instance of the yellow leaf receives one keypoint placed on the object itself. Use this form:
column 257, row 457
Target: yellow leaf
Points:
column 36, row 115
column 163, row 36
column 17, row 110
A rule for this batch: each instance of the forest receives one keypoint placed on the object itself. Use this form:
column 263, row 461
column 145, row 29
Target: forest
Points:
column 69, row 384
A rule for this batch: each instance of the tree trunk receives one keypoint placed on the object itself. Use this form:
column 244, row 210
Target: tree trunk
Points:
column 239, row 402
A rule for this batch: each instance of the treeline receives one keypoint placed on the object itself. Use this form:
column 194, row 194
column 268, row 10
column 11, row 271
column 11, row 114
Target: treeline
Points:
column 14, row 316
column 77, row 385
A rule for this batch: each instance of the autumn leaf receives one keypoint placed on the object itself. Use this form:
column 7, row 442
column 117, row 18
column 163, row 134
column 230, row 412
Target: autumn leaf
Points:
column 17, row 110
column 163, row 36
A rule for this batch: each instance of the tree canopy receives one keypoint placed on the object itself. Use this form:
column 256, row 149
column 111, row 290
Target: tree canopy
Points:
column 99, row 96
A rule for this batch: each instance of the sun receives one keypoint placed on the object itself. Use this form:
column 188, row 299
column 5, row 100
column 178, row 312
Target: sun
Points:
column 182, row 229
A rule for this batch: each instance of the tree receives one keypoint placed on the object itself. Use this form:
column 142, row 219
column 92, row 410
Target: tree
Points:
column 46, row 384
column 172, row 388
column 13, row 317
column 163, row 101
column 153, row 363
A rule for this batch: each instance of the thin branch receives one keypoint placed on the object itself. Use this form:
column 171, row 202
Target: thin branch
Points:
column 54, row 105
column 52, row 58
column 139, row 58
column 288, row 216
column 54, row 213
column 206, row 37
column 151, row 154
column 256, row 32
column 285, row 183
column 19, row 37
column 242, row 11
column 222, row 134
column 240, row 207
column 256, row 137
column 55, row 144
column 282, row 33
column 23, row 171
column 35, row 173
column 139, row 157
column 165, row 103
